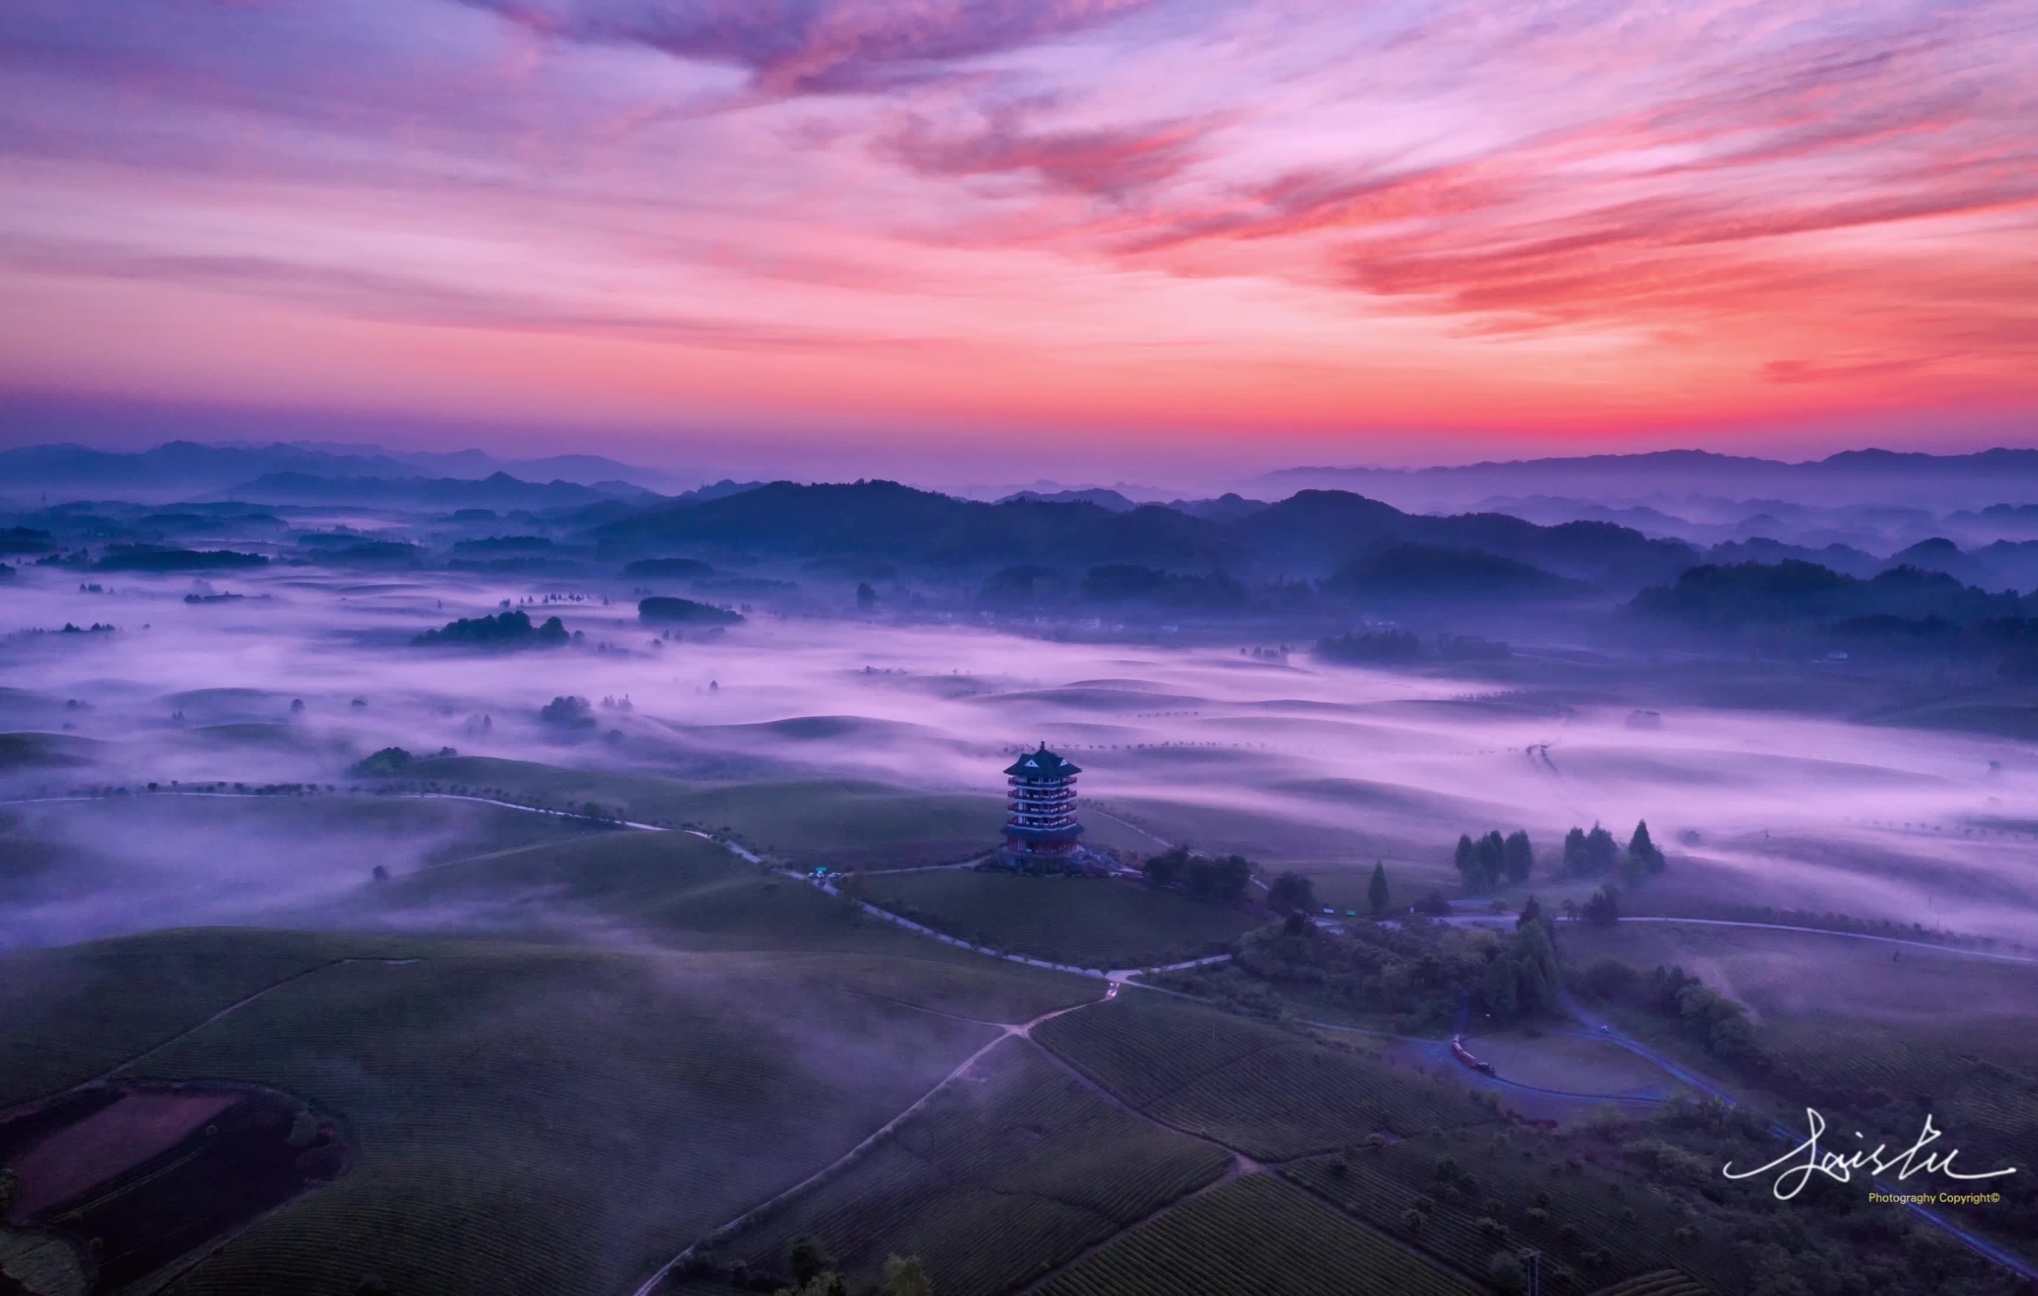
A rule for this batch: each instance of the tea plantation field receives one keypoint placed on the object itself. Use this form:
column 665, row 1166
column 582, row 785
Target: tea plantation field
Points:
column 997, row 1180
column 523, row 1118
column 1272, row 1094
column 1084, row 922
column 1258, row 1235
column 843, row 823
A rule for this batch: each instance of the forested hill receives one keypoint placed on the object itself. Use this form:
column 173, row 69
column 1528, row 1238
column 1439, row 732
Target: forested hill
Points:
column 1905, row 611
column 1311, row 534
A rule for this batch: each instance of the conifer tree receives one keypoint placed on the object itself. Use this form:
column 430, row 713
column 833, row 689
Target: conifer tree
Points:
column 1376, row 890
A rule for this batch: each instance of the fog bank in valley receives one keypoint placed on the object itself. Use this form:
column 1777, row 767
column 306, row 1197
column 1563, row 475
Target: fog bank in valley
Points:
column 1295, row 762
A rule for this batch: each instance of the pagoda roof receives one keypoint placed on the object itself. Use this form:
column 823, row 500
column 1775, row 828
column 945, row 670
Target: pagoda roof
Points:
column 1042, row 764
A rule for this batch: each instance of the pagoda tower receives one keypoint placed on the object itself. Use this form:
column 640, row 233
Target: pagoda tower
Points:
column 1040, row 811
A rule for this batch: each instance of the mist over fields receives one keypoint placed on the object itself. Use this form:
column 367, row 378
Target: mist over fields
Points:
column 402, row 827
column 1290, row 759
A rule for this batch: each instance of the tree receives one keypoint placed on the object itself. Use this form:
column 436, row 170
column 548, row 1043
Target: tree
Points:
column 1505, row 1270
column 1376, row 890
column 1644, row 859
column 1292, row 892
column 1520, row 856
column 1166, row 868
column 1602, row 907
column 906, row 1277
column 806, row 1260
column 1590, row 854
column 1497, row 989
column 1530, row 912
column 1481, row 863
column 1434, row 904
column 1230, row 876
column 568, row 713
column 1493, row 857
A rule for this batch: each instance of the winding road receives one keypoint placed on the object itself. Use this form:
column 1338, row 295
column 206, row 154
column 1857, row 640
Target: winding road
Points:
column 1596, row 1025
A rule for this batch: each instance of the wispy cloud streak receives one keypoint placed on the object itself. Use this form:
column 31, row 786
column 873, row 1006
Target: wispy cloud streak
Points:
column 1284, row 213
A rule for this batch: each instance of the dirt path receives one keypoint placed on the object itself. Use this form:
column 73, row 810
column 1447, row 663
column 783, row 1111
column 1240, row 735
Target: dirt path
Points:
column 235, row 1007
column 1020, row 1030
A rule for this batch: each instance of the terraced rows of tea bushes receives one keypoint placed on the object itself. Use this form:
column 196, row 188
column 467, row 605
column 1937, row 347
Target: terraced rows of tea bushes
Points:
column 1001, row 1177
column 67, row 1015
column 1254, row 1234
column 1664, row 1282
column 1086, row 922
column 550, row 1119
column 1505, row 1193
column 1270, row 1093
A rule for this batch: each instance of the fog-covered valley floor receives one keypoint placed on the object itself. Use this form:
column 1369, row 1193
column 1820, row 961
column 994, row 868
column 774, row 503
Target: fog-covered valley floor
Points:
column 1294, row 763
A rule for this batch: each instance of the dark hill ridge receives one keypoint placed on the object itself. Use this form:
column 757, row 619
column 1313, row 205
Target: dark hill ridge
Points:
column 1417, row 571
column 500, row 490
column 1311, row 534
column 1853, row 478
column 1794, row 592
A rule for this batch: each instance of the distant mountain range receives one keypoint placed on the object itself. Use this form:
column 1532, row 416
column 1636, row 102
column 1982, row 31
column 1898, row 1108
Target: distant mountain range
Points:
column 496, row 491
column 1852, row 476
column 1309, row 535
column 181, row 470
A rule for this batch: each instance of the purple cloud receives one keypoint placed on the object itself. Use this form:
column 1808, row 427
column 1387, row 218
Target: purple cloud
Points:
column 816, row 46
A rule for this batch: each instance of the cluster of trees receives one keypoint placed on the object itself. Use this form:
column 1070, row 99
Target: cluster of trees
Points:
column 1596, row 853
column 1483, row 863
column 1414, row 972
column 1521, row 977
column 1202, row 877
column 1379, row 646
column 1710, row 1019
column 507, row 630
column 679, row 611
column 1130, row 582
column 164, row 558
column 1602, row 907
column 811, row 1271
column 387, row 763
column 568, row 713
column 1391, row 646
column 1292, row 893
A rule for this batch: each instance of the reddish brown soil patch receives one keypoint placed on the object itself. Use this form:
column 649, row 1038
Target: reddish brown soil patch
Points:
column 147, row 1173
column 107, row 1143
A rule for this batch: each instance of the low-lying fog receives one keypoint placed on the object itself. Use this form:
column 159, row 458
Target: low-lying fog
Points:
column 1291, row 761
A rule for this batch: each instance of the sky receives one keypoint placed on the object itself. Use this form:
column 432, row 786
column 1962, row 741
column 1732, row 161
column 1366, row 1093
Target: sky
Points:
column 1263, row 230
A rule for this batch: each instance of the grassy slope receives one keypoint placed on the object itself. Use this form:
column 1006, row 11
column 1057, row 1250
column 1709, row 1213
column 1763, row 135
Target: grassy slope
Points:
column 533, row 1119
column 819, row 821
column 554, row 1121
column 1861, row 1027
column 676, row 891
column 67, row 1015
column 994, row 1182
column 47, row 750
column 656, row 1092
column 1272, row 1094
column 1087, row 922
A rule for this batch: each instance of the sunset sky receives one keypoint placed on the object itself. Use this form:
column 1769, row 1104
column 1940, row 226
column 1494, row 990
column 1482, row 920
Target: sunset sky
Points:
column 1276, row 230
